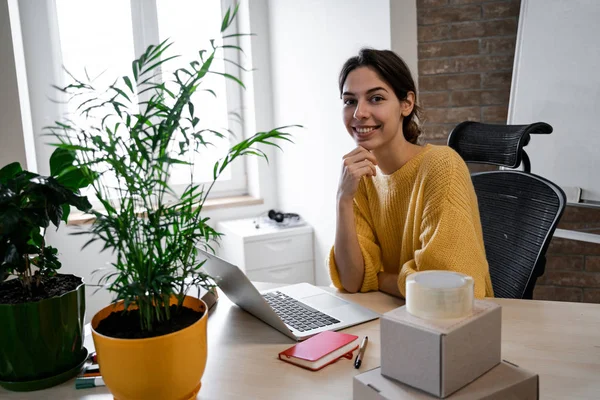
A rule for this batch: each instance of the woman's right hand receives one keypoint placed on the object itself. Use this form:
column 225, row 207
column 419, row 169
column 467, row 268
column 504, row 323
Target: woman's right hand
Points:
column 358, row 163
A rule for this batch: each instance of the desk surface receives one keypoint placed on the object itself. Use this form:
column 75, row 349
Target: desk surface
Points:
column 559, row 341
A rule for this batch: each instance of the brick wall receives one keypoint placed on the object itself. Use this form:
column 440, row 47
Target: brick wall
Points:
column 466, row 51
column 573, row 267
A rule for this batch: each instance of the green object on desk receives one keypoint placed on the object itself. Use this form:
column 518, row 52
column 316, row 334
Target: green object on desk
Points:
column 41, row 343
column 88, row 382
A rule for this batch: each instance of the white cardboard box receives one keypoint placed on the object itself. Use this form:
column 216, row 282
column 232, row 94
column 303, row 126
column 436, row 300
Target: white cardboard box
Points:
column 440, row 356
column 506, row 381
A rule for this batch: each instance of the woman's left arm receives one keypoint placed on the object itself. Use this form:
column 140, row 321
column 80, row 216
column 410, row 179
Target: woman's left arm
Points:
column 450, row 234
column 443, row 253
column 451, row 241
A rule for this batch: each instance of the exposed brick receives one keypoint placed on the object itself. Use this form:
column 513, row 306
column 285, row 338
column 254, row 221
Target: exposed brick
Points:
column 437, row 131
column 452, row 115
column 580, row 226
column 434, row 99
column 581, row 214
column 501, row 10
column 477, row 29
column 495, row 114
column 450, row 82
column 592, row 263
column 554, row 293
column 566, row 246
column 570, row 278
column 490, row 97
column 479, row 97
column 466, row 98
column 431, row 3
column 433, row 32
column 474, row 168
column 466, row 1
column 500, row 80
column 432, row 16
column 564, row 263
column 465, row 64
column 501, row 45
column 591, row 295
column 448, row 49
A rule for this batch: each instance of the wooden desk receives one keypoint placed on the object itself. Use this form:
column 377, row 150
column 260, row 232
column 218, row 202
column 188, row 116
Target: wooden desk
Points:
column 559, row 341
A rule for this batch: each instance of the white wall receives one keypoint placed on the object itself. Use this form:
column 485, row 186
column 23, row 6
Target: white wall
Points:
column 403, row 16
column 15, row 126
column 310, row 41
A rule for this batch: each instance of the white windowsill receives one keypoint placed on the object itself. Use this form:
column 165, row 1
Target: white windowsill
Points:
column 79, row 218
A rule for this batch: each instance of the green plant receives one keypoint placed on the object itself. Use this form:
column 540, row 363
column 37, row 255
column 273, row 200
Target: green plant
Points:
column 137, row 131
column 28, row 203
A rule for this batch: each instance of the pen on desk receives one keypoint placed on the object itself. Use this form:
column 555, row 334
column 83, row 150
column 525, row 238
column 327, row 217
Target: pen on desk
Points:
column 86, row 383
column 361, row 352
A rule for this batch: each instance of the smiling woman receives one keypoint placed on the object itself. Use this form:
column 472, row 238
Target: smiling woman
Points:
column 401, row 207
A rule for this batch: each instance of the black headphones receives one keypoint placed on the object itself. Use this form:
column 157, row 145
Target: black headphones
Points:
column 278, row 217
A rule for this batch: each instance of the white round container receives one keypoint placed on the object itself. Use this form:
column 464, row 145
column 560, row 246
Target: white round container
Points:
column 439, row 294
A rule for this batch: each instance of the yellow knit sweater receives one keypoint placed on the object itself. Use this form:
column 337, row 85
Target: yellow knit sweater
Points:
column 422, row 217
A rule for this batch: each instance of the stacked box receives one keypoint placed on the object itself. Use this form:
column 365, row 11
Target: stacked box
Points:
column 504, row 381
column 443, row 355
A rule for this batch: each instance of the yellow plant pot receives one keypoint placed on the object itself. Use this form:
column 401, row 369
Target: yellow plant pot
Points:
column 163, row 367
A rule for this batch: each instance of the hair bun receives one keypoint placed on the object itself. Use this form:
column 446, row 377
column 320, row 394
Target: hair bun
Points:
column 411, row 129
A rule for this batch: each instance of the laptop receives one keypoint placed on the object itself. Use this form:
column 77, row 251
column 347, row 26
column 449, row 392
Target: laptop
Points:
column 298, row 311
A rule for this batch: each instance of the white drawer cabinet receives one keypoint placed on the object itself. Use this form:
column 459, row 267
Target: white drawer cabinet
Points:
column 269, row 253
column 291, row 273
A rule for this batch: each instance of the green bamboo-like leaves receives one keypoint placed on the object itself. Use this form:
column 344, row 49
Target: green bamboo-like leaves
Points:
column 143, row 126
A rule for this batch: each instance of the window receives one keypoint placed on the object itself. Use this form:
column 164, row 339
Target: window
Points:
column 101, row 38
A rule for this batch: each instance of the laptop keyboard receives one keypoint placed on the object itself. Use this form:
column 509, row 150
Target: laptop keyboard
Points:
column 296, row 314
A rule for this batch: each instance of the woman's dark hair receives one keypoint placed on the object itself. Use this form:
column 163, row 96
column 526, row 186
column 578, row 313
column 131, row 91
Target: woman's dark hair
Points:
column 394, row 71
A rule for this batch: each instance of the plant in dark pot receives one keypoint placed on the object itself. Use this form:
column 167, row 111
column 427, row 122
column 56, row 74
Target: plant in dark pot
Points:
column 41, row 311
column 151, row 341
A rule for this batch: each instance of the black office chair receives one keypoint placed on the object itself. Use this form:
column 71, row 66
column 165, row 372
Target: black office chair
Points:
column 519, row 210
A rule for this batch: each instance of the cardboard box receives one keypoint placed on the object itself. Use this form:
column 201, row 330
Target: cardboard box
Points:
column 505, row 381
column 440, row 356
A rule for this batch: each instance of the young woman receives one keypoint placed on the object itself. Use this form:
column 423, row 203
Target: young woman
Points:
column 401, row 207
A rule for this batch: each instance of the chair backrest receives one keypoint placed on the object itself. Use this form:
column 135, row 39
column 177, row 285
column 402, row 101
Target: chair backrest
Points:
column 495, row 144
column 519, row 210
column 519, row 214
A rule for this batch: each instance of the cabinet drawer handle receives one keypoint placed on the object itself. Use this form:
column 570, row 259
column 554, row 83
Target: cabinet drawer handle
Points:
column 280, row 273
column 279, row 245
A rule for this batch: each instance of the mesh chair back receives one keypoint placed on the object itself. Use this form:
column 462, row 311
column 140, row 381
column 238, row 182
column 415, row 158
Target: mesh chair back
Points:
column 519, row 213
column 494, row 144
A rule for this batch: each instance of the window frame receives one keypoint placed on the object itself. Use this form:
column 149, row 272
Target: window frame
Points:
column 145, row 31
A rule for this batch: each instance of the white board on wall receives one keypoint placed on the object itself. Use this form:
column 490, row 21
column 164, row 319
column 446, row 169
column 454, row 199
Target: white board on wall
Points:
column 556, row 79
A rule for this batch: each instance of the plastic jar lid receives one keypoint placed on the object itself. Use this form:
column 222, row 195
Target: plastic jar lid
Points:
column 439, row 294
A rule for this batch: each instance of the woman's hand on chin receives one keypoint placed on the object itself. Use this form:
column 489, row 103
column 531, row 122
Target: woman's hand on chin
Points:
column 356, row 164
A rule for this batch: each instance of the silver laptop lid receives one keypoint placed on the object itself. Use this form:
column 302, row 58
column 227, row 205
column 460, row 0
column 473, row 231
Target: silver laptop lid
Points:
column 238, row 288
column 329, row 312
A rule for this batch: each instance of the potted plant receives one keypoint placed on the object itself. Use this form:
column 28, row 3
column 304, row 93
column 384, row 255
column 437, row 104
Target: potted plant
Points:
column 41, row 311
column 151, row 342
